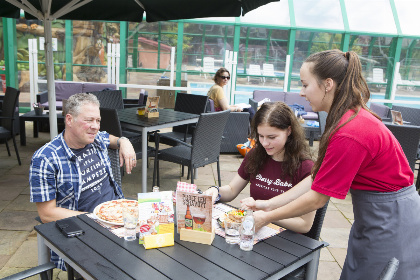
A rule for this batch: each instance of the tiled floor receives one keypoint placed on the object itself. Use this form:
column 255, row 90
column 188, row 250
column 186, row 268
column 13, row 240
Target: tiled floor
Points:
column 18, row 248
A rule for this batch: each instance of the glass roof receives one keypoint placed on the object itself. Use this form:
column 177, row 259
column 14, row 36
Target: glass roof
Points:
column 364, row 16
column 323, row 14
column 370, row 16
column 408, row 15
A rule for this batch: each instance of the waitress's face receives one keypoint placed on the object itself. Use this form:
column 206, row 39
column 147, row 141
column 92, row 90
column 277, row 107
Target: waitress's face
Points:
column 315, row 93
column 223, row 79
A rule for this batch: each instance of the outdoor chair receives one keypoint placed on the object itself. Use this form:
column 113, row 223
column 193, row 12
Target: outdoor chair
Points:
column 313, row 233
column 408, row 136
column 111, row 124
column 204, row 148
column 44, row 270
column 8, row 118
column 381, row 110
column 254, row 70
column 268, row 70
column 390, row 270
column 187, row 103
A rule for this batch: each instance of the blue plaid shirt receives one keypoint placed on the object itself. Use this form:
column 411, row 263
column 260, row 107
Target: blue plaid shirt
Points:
column 55, row 174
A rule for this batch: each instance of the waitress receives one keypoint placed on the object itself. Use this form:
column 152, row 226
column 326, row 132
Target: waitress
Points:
column 357, row 153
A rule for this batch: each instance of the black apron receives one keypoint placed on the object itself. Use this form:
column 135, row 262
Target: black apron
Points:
column 386, row 225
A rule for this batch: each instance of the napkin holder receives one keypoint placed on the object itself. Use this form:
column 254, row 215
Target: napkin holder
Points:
column 201, row 237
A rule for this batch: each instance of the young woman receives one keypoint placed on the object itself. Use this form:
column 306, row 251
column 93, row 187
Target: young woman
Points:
column 279, row 160
column 217, row 94
column 359, row 153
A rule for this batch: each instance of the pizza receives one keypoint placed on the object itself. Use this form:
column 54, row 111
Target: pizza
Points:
column 111, row 211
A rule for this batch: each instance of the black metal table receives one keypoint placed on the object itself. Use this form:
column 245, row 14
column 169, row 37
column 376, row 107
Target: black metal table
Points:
column 37, row 120
column 99, row 254
column 167, row 118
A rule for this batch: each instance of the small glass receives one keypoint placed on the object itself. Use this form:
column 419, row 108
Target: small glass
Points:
column 232, row 231
column 131, row 218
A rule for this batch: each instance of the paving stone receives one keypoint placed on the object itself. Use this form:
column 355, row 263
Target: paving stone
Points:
column 14, row 180
column 339, row 255
column 328, row 270
column 3, row 260
column 346, row 210
column 25, row 256
column 326, row 255
column 7, row 271
column 18, row 220
column 10, row 193
column 336, row 237
column 335, row 219
column 11, row 240
column 21, row 203
column 3, row 203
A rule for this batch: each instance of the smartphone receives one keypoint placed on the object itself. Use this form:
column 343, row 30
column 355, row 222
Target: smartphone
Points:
column 69, row 228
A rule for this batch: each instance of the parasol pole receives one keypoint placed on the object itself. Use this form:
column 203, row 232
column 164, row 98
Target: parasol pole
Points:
column 49, row 65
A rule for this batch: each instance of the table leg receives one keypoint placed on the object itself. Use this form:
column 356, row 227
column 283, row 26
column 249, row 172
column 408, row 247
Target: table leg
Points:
column 36, row 129
column 144, row 161
column 22, row 132
column 311, row 138
column 312, row 267
column 43, row 252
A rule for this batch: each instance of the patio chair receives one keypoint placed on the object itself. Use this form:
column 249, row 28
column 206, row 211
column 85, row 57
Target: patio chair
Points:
column 204, row 148
column 381, row 110
column 378, row 76
column 208, row 66
column 187, row 103
column 111, row 124
column 44, row 270
column 408, row 84
column 268, row 70
column 254, row 70
column 390, row 270
column 313, row 233
column 408, row 136
column 8, row 118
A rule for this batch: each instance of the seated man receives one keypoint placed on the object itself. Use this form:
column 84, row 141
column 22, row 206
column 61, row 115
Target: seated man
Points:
column 72, row 174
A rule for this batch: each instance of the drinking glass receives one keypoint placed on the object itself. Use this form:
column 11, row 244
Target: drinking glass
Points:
column 232, row 231
column 131, row 218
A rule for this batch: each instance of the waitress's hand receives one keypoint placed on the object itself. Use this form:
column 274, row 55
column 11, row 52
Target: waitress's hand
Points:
column 213, row 192
column 259, row 217
column 250, row 203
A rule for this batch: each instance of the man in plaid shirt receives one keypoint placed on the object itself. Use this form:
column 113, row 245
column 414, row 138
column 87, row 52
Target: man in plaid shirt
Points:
column 72, row 174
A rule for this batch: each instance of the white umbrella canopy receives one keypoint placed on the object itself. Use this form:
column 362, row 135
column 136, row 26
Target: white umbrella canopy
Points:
column 115, row 10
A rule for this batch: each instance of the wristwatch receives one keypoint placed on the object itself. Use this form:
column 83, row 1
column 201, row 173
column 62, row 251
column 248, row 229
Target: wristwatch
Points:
column 218, row 194
column 118, row 141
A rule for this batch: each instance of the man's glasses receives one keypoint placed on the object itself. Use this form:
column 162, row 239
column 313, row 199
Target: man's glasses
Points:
column 225, row 77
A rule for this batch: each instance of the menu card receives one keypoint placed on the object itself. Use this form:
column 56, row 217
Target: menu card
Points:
column 194, row 211
column 219, row 212
column 156, row 214
column 152, row 104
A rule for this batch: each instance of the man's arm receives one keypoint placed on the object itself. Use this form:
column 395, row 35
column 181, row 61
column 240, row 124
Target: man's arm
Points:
column 127, row 153
column 49, row 212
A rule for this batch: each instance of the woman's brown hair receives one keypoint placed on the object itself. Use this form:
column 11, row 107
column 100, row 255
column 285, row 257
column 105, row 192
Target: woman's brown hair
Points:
column 219, row 73
column 351, row 93
column 281, row 116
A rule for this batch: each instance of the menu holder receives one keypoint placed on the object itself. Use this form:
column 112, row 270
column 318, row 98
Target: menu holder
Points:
column 194, row 217
column 156, row 216
column 397, row 117
column 152, row 110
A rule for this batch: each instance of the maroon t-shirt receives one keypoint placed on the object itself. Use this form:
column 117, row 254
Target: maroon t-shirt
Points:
column 271, row 180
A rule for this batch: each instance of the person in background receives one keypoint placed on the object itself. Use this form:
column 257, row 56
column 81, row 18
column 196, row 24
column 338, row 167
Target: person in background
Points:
column 279, row 160
column 357, row 153
column 72, row 173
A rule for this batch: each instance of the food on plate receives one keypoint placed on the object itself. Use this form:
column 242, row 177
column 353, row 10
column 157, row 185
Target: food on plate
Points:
column 236, row 216
column 111, row 211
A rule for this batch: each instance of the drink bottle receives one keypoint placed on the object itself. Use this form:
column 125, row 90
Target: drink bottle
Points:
column 188, row 219
column 247, row 232
column 155, row 189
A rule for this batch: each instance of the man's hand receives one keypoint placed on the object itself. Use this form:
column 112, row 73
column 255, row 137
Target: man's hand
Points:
column 213, row 192
column 127, row 155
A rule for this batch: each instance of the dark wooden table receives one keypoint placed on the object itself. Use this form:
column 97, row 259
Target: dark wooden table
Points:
column 167, row 118
column 99, row 254
column 37, row 120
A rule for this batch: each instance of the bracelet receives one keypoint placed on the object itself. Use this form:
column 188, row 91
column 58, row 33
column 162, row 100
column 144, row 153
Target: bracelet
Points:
column 218, row 194
column 118, row 141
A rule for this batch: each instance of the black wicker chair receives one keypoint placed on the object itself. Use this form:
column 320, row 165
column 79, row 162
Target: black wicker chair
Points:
column 204, row 148
column 8, row 119
column 187, row 103
column 383, row 111
column 45, row 271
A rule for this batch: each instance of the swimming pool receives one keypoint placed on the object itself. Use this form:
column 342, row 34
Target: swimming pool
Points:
column 244, row 98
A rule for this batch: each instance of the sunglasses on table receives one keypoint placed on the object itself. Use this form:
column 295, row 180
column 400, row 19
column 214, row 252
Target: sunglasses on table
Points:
column 225, row 77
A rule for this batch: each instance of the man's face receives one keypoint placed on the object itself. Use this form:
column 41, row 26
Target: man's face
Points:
column 83, row 128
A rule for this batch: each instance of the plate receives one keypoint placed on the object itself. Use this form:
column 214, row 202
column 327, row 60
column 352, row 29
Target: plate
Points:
column 95, row 211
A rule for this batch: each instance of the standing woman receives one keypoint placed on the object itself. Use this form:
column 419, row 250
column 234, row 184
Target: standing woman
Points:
column 217, row 94
column 357, row 153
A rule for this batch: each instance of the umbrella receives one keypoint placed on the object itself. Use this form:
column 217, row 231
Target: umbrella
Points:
column 116, row 10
